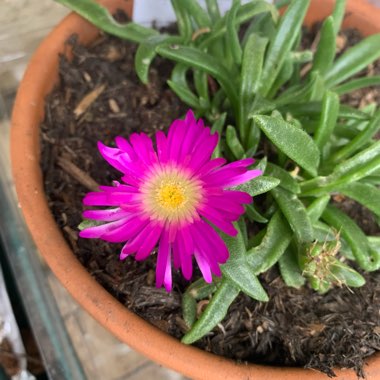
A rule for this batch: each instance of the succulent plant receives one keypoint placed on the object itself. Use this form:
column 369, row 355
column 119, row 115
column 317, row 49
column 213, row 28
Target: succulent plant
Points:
column 246, row 74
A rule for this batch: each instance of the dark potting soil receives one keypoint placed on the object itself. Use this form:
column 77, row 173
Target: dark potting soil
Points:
column 100, row 97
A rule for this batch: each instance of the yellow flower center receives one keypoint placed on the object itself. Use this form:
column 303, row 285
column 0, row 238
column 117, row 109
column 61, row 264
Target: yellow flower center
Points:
column 170, row 194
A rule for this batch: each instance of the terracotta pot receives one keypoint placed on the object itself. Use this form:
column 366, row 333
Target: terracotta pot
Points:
column 39, row 79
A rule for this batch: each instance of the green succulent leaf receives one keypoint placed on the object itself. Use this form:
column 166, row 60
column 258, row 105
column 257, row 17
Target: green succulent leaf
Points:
column 357, row 84
column 298, row 93
column 274, row 243
column 244, row 14
column 233, row 142
column 327, row 122
column 198, row 290
column 295, row 213
column 87, row 223
column 254, row 215
column 100, row 17
column 283, row 76
column 317, row 207
column 232, row 34
column 213, row 10
column 374, row 242
column 258, row 185
column 218, row 127
column 199, row 15
column 252, row 63
column 362, row 164
column 313, row 109
column 282, row 3
column 183, row 20
column 367, row 258
column 325, row 233
column 262, row 164
column 354, row 60
column 324, row 56
column 146, row 52
column 189, row 309
column 304, row 56
column 360, row 140
column 200, row 60
column 286, row 180
column 185, row 94
column 238, row 270
column 292, row 141
column 338, row 14
column 347, row 275
column 261, row 106
column 290, row 270
column 214, row 313
column 284, row 39
column 366, row 194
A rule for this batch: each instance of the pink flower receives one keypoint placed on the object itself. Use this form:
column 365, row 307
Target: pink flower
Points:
column 168, row 198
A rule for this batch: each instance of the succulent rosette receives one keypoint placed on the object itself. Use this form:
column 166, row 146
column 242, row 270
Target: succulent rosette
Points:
column 171, row 197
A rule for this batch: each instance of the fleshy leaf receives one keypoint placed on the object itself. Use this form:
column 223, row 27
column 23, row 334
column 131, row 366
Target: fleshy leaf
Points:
column 214, row 313
column 295, row 213
column 100, row 17
column 292, row 141
column 367, row 195
column 287, row 181
column 198, row 290
column 238, row 270
column 233, row 143
column 272, row 246
column 367, row 258
column 327, row 122
column 325, row 53
column 282, row 42
column 146, row 52
column 202, row 61
column 353, row 60
column 361, row 138
column 258, row 185
column 289, row 269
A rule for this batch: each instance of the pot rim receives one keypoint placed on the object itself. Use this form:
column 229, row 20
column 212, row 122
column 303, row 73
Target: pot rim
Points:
column 28, row 111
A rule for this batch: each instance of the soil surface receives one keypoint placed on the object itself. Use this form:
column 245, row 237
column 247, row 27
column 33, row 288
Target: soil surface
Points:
column 100, row 97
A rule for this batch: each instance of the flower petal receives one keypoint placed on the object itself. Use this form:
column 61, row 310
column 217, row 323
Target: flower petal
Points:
column 163, row 269
column 203, row 151
column 143, row 147
column 216, row 248
column 99, row 231
column 217, row 219
column 162, row 147
column 151, row 240
column 128, row 230
column 112, row 156
column 108, row 215
column 185, row 244
column 139, row 239
column 204, row 266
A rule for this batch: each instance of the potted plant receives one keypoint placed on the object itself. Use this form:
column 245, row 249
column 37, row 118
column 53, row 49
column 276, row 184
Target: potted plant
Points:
column 276, row 105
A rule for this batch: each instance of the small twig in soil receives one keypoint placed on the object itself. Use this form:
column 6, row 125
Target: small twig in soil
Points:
column 78, row 174
column 88, row 99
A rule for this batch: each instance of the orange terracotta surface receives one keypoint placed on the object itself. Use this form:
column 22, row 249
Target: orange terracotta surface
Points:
column 141, row 336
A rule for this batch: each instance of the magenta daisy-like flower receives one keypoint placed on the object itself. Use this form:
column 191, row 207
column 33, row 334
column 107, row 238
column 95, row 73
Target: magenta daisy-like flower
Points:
column 169, row 197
